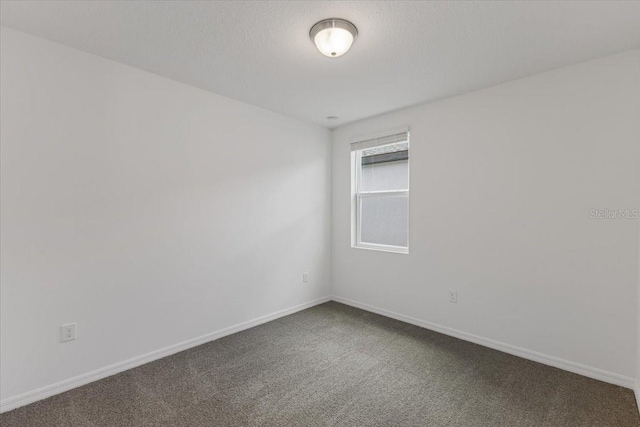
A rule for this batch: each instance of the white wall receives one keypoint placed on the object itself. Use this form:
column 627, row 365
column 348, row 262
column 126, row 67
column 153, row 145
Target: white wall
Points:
column 502, row 182
column 132, row 202
column 145, row 210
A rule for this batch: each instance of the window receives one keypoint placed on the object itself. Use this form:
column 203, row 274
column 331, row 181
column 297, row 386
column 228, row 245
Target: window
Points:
column 380, row 193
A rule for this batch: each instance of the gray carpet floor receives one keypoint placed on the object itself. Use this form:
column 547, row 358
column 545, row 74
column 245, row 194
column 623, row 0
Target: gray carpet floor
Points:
column 334, row 365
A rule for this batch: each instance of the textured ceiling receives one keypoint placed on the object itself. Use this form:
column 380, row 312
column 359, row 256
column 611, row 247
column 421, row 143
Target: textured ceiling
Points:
column 406, row 53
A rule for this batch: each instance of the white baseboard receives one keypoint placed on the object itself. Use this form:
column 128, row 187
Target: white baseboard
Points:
column 68, row 384
column 65, row 385
column 577, row 368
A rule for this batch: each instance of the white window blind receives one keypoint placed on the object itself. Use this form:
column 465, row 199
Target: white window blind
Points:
column 383, row 140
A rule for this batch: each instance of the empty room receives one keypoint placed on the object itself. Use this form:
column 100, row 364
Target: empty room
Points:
column 320, row 213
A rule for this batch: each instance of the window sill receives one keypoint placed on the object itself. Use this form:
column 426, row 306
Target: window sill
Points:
column 382, row 248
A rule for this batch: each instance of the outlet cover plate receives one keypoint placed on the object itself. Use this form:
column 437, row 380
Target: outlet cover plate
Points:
column 453, row 296
column 68, row 332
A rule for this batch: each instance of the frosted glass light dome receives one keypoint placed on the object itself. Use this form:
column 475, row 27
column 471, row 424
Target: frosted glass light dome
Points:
column 333, row 37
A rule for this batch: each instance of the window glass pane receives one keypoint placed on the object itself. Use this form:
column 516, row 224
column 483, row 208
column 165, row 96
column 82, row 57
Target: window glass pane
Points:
column 384, row 220
column 385, row 176
column 385, row 168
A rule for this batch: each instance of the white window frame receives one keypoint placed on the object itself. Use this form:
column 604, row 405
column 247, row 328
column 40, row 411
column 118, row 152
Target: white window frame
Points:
column 357, row 195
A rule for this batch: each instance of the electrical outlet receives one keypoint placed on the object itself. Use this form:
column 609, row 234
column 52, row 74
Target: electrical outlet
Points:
column 305, row 277
column 68, row 332
column 453, row 296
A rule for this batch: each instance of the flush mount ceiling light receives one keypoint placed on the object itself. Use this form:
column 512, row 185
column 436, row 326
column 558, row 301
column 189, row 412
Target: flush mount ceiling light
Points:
column 333, row 37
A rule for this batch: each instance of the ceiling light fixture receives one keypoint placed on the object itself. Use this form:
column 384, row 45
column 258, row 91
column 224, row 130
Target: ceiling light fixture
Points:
column 333, row 37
